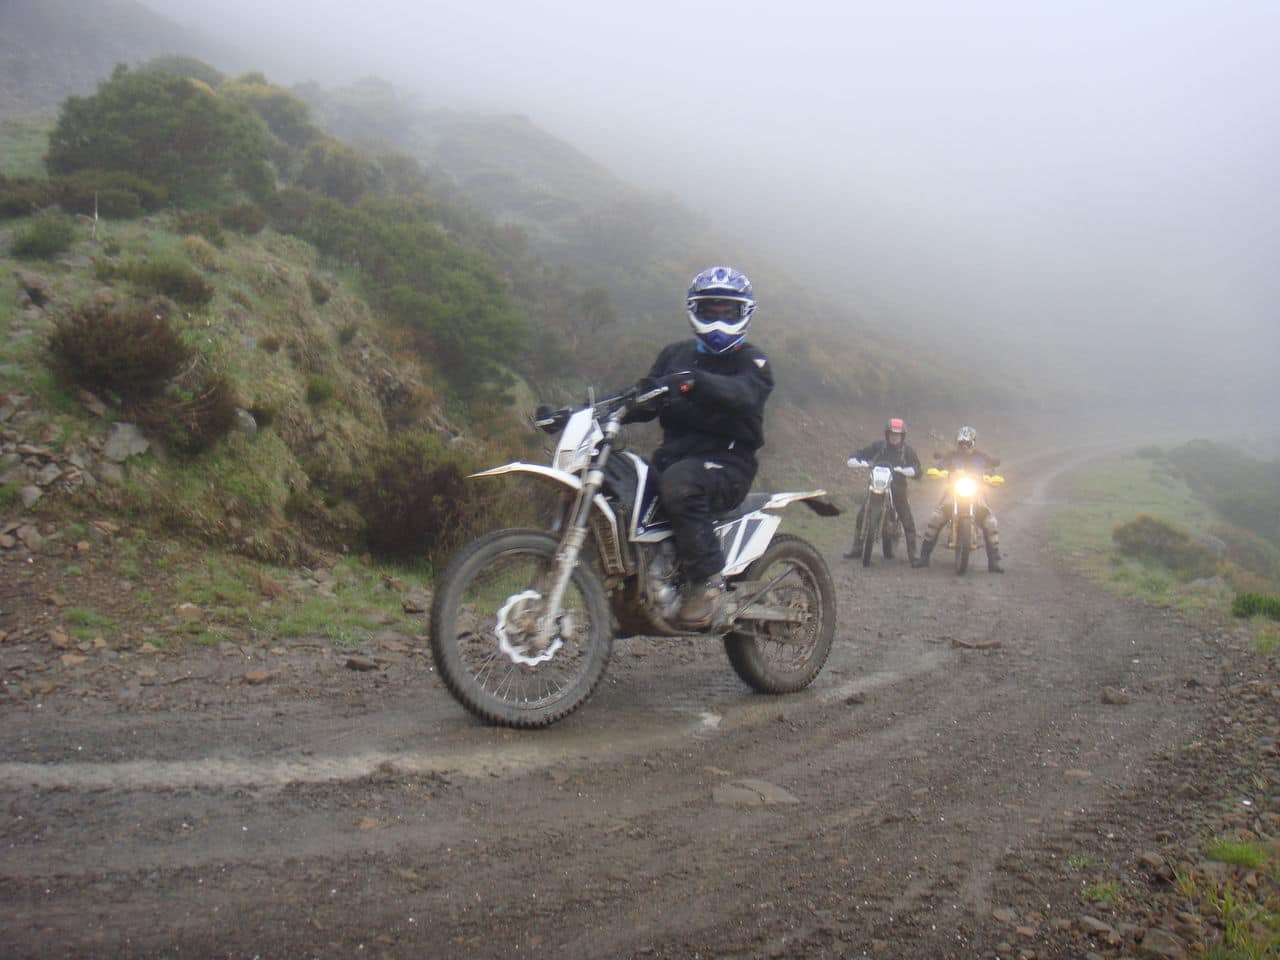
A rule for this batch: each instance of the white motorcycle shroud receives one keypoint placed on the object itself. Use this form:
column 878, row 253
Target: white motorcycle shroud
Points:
column 744, row 535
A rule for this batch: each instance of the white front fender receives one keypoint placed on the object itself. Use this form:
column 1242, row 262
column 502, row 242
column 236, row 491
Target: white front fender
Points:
column 610, row 547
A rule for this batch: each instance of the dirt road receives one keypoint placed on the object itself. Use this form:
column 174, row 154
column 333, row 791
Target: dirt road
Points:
column 959, row 729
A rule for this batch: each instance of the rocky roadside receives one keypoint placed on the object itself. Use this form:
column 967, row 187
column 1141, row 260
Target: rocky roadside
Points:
column 1146, row 872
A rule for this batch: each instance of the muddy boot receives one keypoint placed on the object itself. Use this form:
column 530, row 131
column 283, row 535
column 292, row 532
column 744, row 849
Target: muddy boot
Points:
column 993, row 559
column 911, row 548
column 853, row 552
column 926, row 548
column 700, row 603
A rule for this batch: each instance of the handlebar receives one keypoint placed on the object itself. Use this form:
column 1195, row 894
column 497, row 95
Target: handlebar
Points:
column 552, row 420
column 855, row 463
column 994, row 479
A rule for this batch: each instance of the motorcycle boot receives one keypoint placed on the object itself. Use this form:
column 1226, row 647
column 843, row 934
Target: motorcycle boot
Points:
column 700, row 603
column 853, row 552
column 926, row 548
column 993, row 558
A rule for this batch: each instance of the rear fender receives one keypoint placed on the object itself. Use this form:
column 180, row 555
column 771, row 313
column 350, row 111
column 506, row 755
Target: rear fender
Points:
column 815, row 500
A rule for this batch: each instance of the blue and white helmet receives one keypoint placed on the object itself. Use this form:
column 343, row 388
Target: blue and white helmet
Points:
column 720, row 306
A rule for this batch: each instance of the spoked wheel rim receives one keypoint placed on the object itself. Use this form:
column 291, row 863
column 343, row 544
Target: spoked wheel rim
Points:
column 488, row 638
column 787, row 646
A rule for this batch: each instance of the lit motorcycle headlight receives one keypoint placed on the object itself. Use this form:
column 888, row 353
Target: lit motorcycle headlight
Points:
column 966, row 487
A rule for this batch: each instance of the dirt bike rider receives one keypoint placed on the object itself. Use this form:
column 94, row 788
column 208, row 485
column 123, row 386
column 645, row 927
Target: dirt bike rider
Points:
column 968, row 458
column 712, row 425
column 893, row 451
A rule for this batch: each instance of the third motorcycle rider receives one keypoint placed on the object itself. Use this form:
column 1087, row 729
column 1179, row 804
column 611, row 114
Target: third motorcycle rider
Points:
column 893, row 451
column 969, row 458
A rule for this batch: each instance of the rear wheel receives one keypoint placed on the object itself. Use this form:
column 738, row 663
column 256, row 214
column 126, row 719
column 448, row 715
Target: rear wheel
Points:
column 773, row 656
column 964, row 541
column 485, row 619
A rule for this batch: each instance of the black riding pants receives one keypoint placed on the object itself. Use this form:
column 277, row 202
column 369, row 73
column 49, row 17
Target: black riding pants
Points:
column 693, row 491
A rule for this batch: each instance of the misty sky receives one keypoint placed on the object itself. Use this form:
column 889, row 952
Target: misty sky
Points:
column 1069, row 178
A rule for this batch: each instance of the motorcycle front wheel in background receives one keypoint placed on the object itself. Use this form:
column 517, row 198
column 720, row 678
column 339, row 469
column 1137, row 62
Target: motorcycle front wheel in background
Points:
column 874, row 516
column 964, row 541
column 890, row 532
column 774, row 656
column 484, row 631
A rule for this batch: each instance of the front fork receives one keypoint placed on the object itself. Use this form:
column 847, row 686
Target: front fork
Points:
column 575, row 536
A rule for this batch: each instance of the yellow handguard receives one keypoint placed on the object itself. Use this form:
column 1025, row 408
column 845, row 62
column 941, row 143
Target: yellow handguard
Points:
column 935, row 472
column 995, row 479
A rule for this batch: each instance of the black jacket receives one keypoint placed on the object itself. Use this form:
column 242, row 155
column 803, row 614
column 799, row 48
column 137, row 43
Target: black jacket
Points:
column 882, row 451
column 723, row 415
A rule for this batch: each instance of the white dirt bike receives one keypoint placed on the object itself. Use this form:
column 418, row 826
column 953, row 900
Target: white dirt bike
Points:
column 880, row 523
column 523, row 620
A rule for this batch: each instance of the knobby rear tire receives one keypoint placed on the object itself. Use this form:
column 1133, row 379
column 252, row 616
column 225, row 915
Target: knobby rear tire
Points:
column 758, row 651
column 466, row 649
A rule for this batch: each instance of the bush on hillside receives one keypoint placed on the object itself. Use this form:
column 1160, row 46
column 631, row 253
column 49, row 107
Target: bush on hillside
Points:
column 1152, row 539
column 333, row 168
column 1250, row 551
column 47, row 235
column 246, row 218
column 414, row 500
column 188, row 67
column 173, row 131
column 111, row 194
column 1252, row 604
column 203, row 223
column 190, row 419
column 124, row 351
column 165, row 274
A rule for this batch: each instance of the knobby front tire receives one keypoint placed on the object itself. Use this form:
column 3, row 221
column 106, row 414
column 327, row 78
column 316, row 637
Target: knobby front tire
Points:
column 964, row 542
column 874, row 515
column 493, row 589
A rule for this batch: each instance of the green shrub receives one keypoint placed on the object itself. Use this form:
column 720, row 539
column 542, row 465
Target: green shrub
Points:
column 1150, row 452
column 414, row 499
column 246, row 218
column 348, row 332
column 116, row 193
column 48, row 235
column 172, row 130
column 167, row 275
column 319, row 390
column 1252, row 604
column 191, row 419
column 201, row 222
column 127, row 351
column 320, row 292
column 1152, row 539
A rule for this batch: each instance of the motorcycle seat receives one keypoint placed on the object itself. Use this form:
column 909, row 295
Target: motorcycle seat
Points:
column 753, row 501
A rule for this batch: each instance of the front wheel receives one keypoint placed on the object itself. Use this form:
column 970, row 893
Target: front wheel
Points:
column 873, row 516
column 485, row 619
column 964, row 541
column 776, row 656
